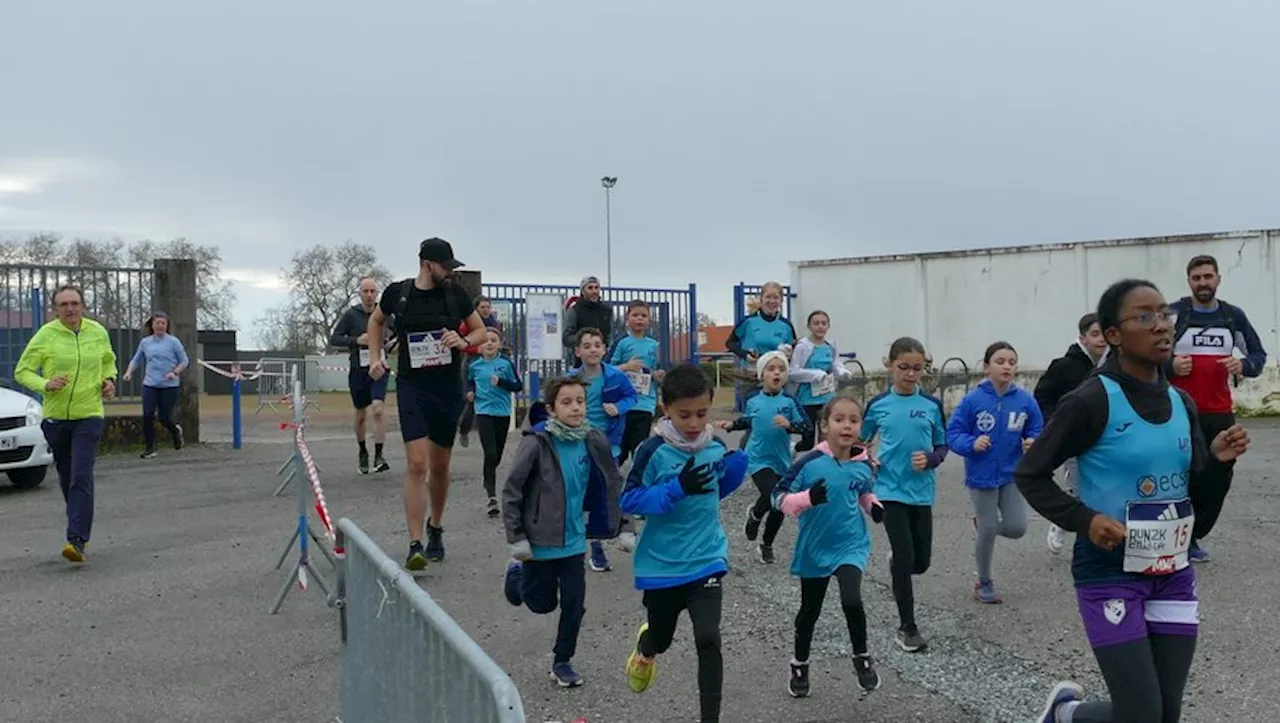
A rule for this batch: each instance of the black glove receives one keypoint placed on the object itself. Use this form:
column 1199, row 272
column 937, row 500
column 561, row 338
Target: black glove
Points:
column 877, row 514
column 694, row 480
column 818, row 493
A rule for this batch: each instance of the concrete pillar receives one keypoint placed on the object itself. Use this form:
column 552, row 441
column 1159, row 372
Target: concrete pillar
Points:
column 174, row 292
column 469, row 280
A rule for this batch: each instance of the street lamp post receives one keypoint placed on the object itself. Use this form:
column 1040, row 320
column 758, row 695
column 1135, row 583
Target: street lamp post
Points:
column 608, row 182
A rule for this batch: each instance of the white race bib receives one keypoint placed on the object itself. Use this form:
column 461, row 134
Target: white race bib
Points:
column 1158, row 536
column 641, row 382
column 427, row 350
column 824, row 386
column 365, row 357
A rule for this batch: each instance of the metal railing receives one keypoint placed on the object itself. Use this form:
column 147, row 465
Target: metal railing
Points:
column 403, row 658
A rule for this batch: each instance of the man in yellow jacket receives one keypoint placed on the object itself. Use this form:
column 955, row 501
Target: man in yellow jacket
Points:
column 70, row 361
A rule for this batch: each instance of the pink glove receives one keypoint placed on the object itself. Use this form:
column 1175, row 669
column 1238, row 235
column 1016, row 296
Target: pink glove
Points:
column 795, row 503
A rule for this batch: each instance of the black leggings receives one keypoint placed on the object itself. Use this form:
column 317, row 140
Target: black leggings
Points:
column 810, row 438
column 164, row 399
column 813, row 590
column 703, row 599
column 1209, row 489
column 910, row 531
column 1145, row 678
column 765, row 480
column 639, row 427
column 467, row 420
column 493, row 438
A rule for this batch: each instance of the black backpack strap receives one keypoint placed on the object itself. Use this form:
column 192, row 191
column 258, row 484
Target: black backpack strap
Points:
column 1184, row 318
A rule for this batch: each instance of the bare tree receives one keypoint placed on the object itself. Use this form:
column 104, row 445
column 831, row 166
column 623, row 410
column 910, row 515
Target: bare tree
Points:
column 705, row 320
column 278, row 330
column 324, row 281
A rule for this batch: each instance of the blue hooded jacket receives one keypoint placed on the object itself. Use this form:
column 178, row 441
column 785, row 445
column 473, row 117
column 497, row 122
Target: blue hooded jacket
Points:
column 1006, row 418
column 616, row 390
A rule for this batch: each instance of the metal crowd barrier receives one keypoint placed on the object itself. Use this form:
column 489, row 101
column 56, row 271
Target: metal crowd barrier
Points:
column 404, row 660
column 273, row 383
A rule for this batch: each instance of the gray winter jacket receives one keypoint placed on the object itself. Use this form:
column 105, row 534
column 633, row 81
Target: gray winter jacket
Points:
column 533, row 502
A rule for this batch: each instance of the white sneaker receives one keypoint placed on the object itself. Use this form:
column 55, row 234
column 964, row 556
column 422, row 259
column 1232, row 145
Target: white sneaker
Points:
column 1055, row 539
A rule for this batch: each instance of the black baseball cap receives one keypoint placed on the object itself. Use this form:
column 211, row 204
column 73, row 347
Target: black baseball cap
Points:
column 439, row 251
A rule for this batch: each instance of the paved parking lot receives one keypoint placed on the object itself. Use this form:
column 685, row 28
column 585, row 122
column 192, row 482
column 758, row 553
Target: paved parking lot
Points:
column 168, row 621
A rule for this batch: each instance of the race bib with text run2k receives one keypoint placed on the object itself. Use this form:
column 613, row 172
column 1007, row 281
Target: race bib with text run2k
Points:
column 427, row 349
column 1158, row 536
column 641, row 382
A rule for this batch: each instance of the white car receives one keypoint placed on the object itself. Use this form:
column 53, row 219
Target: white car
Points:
column 24, row 454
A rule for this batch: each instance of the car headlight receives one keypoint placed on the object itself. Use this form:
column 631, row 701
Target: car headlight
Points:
column 35, row 413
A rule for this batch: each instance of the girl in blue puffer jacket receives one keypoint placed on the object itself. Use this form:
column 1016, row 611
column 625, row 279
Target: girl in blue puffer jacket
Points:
column 991, row 428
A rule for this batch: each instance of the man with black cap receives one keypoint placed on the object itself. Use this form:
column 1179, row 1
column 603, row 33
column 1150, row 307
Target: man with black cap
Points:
column 428, row 311
column 588, row 313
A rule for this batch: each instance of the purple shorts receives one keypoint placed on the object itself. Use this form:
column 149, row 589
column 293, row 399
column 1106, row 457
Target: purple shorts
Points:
column 1122, row 612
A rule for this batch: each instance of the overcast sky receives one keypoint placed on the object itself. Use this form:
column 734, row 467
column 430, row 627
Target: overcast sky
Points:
column 745, row 134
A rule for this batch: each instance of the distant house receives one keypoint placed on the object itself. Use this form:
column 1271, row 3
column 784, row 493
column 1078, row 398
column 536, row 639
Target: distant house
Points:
column 711, row 340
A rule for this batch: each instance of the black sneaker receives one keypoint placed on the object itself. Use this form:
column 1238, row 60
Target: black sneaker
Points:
column 912, row 641
column 149, row 454
column 380, row 464
column 868, row 678
column 491, row 507
column 753, row 525
column 417, row 559
column 179, row 437
column 766, row 554
column 363, row 466
column 798, row 686
column 464, row 440
column 435, row 543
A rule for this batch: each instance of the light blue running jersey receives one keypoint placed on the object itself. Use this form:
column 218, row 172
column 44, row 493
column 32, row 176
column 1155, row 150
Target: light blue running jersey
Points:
column 835, row 533
column 906, row 423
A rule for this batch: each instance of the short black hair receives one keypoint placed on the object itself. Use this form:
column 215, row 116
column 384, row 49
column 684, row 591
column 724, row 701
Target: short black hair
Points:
column 1112, row 300
column 552, row 390
column 585, row 332
column 685, row 381
column 1202, row 260
column 995, row 347
column 1086, row 321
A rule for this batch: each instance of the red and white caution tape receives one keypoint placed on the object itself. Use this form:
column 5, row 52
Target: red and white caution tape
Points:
column 313, row 475
column 237, row 372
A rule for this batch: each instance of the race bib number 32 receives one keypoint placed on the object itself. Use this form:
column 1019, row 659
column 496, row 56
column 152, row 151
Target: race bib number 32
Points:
column 427, row 349
column 1158, row 537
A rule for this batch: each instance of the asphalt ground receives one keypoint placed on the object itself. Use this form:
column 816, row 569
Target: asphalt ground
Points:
column 168, row 620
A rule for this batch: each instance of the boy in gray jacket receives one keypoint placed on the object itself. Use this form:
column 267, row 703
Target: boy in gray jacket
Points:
column 563, row 468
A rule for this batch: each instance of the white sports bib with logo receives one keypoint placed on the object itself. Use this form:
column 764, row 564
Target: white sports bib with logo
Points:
column 426, row 350
column 365, row 357
column 641, row 382
column 824, row 386
column 1158, row 536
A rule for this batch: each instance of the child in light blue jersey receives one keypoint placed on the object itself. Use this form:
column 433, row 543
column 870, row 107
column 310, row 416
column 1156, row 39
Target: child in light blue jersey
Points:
column 815, row 373
column 826, row 488
column 636, row 354
column 492, row 379
column 772, row 416
column 763, row 330
column 912, row 441
column 562, row 468
column 677, row 481
column 991, row 428
column 609, row 397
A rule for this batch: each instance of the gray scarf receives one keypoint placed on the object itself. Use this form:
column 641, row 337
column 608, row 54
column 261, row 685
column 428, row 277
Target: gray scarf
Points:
column 673, row 437
column 564, row 433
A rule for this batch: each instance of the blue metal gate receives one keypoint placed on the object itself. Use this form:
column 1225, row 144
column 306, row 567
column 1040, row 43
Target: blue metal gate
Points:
column 673, row 320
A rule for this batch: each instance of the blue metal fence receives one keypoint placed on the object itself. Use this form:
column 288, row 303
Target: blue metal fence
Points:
column 673, row 320
column 117, row 298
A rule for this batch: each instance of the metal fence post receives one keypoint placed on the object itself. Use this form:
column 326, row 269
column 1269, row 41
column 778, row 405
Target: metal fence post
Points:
column 693, row 322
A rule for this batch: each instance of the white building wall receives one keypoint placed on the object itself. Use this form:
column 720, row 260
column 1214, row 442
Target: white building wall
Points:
column 1032, row 296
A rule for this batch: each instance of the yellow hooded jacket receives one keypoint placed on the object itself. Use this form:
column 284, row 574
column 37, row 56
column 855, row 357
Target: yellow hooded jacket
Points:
column 85, row 359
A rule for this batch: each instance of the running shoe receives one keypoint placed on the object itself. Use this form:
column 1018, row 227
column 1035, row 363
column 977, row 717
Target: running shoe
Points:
column 435, row 543
column 868, row 678
column 380, row 464
column 766, row 554
column 599, row 561
column 984, row 591
column 491, row 507
column 753, row 525
column 798, row 684
column 1056, row 540
column 179, row 437
column 149, row 454
column 74, row 550
column 417, row 559
column 640, row 671
column 912, row 641
column 1198, row 553
column 511, row 583
column 464, row 440
column 565, row 676
column 1062, row 693
column 363, row 464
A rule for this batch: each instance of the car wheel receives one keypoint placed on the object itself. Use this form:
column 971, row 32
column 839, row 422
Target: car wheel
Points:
column 28, row 477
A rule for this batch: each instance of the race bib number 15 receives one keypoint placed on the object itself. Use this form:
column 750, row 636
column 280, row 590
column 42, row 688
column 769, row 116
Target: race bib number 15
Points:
column 1159, row 536
column 427, row 349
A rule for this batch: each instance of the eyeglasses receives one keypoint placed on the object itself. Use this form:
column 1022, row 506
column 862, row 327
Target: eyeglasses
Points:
column 907, row 368
column 1148, row 319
